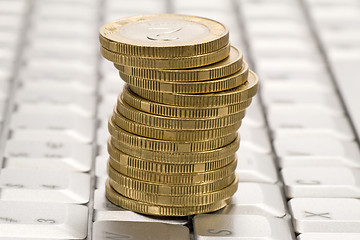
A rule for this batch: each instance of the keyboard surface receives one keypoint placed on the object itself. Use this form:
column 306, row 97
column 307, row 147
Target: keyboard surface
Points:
column 299, row 159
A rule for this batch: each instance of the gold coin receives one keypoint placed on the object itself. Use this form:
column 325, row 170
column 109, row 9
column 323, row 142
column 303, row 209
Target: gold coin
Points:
column 225, row 67
column 215, row 85
column 182, row 200
column 164, row 35
column 174, row 122
column 173, row 135
column 167, row 63
column 126, row 160
column 228, row 97
column 173, row 157
column 177, row 189
column 178, row 111
column 146, row 208
column 173, row 178
column 128, row 138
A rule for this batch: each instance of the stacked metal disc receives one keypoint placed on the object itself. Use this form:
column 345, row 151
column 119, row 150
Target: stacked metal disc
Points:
column 174, row 127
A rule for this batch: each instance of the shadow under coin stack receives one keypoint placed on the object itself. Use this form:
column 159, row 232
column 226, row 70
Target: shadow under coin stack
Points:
column 174, row 128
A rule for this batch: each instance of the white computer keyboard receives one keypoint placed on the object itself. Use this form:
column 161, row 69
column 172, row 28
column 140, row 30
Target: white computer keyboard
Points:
column 299, row 160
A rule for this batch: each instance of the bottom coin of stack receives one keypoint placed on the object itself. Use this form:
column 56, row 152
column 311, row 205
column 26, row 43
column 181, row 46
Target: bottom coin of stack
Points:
column 172, row 150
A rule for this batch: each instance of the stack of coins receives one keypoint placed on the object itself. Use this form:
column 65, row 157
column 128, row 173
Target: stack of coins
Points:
column 174, row 127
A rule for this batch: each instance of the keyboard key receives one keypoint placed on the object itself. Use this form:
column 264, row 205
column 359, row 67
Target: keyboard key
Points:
column 255, row 138
column 207, row 226
column 256, row 199
column 55, row 109
column 78, row 127
column 60, row 164
column 325, row 215
column 291, row 144
column 328, row 182
column 255, row 167
column 106, row 211
column 24, row 220
column 49, row 149
column 318, row 161
column 139, row 231
column 329, row 236
column 44, row 186
column 292, row 118
column 254, row 116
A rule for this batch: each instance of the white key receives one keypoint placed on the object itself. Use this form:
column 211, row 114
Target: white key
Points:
column 254, row 116
column 292, row 118
column 255, row 167
column 78, row 127
column 325, row 215
column 11, row 6
column 44, row 186
column 101, row 165
column 256, row 139
column 47, row 85
column 321, row 182
column 61, row 164
column 106, row 106
column 314, row 144
column 102, row 135
column 54, row 109
column 329, row 236
column 65, row 28
column 24, row 220
column 318, row 161
column 49, row 149
column 139, row 231
column 242, row 227
column 320, row 101
column 106, row 211
column 100, row 182
column 256, row 199
column 346, row 73
column 48, row 135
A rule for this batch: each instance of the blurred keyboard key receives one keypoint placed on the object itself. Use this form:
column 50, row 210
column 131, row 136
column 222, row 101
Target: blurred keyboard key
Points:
column 44, row 186
column 24, row 220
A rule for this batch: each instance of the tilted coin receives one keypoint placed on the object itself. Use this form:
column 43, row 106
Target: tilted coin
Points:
column 178, row 111
column 167, row 63
column 177, row 189
column 174, row 122
column 150, row 209
column 173, row 157
column 228, row 97
column 182, row 200
column 173, row 178
column 173, row 134
column 151, row 144
column 164, row 35
column 126, row 160
column 215, row 85
column 223, row 68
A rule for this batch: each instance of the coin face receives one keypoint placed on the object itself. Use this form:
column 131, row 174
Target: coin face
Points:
column 164, row 31
column 176, row 35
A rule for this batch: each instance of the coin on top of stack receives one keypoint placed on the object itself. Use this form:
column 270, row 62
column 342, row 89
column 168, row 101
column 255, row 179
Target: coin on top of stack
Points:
column 174, row 127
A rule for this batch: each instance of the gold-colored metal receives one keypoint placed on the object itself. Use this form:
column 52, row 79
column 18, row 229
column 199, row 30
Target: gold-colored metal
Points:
column 225, row 67
column 174, row 189
column 164, row 35
column 173, row 122
column 215, row 85
column 167, row 63
column 181, row 200
column 173, row 134
column 178, row 111
column 126, row 160
column 128, row 138
column 146, row 208
column 228, row 97
column 170, row 178
column 173, row 157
